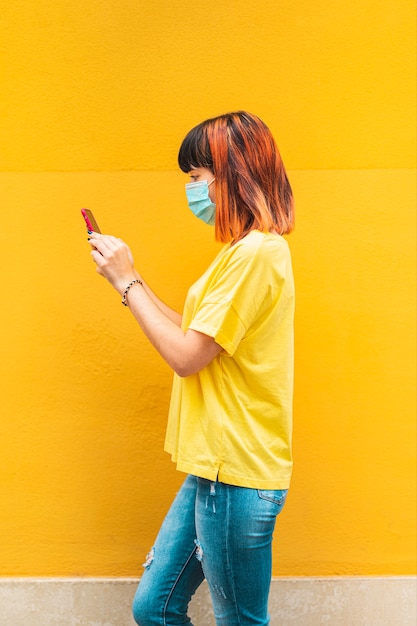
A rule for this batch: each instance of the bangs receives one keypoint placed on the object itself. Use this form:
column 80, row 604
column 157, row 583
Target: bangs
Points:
column 195, row 151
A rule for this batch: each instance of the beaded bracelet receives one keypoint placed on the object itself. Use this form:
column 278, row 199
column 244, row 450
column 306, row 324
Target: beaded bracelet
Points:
column 124, row 300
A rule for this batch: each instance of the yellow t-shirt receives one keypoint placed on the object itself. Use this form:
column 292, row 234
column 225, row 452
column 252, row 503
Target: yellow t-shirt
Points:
column 232, row 421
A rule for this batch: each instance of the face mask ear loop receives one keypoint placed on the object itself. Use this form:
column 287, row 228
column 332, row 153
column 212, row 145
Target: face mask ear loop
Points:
column 212, row 181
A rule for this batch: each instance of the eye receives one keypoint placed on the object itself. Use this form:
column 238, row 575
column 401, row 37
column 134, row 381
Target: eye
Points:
column 194, row 174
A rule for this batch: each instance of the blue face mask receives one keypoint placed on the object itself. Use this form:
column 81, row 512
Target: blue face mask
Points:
column 199, row 201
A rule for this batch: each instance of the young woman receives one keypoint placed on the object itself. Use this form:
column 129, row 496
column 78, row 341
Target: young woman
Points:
column 229, row 426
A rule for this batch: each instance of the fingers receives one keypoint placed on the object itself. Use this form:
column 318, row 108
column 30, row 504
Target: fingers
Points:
column 97, row 240
column 112, row 257
column 107, row 245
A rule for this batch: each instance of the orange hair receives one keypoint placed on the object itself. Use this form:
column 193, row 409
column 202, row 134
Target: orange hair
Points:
column 252, row 188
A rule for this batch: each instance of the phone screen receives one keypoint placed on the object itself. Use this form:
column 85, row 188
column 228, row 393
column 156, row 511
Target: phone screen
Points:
column 90, row 220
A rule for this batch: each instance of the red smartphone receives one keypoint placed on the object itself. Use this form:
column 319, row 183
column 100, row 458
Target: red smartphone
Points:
column 90, row 221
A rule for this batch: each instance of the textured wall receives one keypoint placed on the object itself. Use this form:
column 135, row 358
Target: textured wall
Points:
column 95, row 99
column 309, row 601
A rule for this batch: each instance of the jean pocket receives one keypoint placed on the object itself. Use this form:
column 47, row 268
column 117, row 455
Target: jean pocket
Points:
column 277, row 496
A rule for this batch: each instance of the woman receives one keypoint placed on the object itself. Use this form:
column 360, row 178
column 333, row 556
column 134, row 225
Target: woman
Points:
column 229, row 426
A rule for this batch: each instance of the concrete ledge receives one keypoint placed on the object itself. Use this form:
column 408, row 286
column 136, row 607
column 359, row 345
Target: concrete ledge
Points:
column 340, row 601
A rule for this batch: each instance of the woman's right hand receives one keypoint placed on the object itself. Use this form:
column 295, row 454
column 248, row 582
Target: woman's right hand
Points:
column 114, row 260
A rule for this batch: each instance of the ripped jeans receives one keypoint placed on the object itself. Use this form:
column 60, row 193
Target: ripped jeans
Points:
column 219, row 532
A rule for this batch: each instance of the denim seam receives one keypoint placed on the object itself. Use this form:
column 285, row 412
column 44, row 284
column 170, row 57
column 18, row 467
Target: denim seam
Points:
column 277, row 501
column 232, row 580
column 174, row 585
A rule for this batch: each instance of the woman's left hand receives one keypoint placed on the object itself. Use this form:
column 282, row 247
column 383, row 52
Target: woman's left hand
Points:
column 114, row 260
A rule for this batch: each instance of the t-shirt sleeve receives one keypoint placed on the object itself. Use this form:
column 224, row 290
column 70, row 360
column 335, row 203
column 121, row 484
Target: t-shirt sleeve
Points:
column 220, row 321
column 236, row 297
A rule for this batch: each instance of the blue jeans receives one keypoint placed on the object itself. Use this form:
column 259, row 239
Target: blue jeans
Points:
column 219, row 532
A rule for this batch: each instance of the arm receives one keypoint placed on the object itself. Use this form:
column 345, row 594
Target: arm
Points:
column 173, row 315
column 185, row 352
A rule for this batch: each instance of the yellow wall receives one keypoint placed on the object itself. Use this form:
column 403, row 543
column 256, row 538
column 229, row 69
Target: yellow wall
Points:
column 95, row 99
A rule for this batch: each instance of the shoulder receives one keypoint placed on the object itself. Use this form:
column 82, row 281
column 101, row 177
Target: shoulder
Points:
column 259, row 255
column 263, row 246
